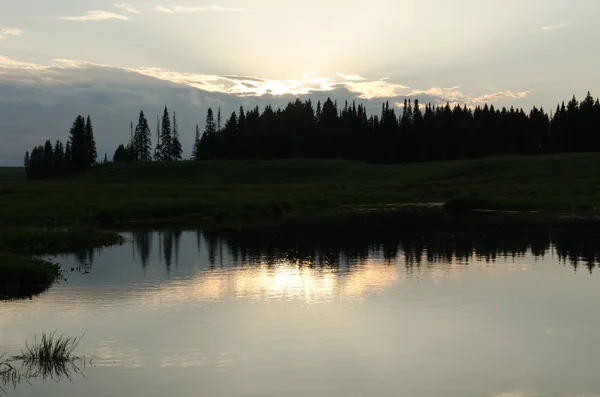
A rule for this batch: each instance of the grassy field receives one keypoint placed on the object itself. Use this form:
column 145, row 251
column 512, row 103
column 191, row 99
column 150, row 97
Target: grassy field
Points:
column 254, row 189
column 12, row 174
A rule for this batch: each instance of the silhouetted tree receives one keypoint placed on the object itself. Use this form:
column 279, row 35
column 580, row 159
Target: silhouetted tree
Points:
column 80, row 157
column 166, row 138
column 142, row 144
column 90, row 142
column 157, row 149
column 176, row 150
column 121, row 154
column 196, row 147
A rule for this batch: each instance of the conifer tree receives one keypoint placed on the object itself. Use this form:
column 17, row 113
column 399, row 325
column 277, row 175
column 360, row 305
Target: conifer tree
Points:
column 166, row 139
column 142, row 140
column 196, row 148
column 59, row 158
column 68, row 161
column 219, row 120
column 121, row 154
column 176, row 150
column 157, row 151
column 105, row 158
column 27, row 164
column 90, row 142
column 48, row 159
column 77, row 137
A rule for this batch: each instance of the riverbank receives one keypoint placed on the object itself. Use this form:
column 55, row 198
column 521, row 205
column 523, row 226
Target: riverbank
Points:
column 72, row 214
column 23, row 275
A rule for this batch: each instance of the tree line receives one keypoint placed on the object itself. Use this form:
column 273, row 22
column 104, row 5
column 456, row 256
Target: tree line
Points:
column 139, row 148
column 77, row 155
column 301, row 130
column 432, row 133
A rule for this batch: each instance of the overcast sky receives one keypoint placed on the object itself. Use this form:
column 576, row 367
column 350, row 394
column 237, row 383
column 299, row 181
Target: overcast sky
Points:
column 61, row 57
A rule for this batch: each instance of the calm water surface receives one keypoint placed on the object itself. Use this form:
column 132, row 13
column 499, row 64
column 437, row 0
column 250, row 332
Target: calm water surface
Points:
column 192, row 313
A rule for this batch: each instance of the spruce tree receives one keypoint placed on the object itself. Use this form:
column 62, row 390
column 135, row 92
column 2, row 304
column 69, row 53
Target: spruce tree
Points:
column 196, row 148
column 157, row 150
column 48, row 159
column 68, row 160
column 166, row 139
column 176, row 150
column 121, row 155
column 219, row 120
column 210, row 129
column 79, row 153
column 27, row 164
column 105, row 158
column 59, row 158
column 90, row 143
column 142, row 140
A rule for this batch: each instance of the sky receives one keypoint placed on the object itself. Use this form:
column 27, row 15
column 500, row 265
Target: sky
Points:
column 61, row 58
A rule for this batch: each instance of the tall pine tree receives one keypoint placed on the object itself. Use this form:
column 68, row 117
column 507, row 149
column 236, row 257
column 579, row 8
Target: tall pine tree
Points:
column 166, row 138
column 196, row 148
column 90, row 142
column 157, row 151
column 142, row 140
column 77, row 138
column 176, row 150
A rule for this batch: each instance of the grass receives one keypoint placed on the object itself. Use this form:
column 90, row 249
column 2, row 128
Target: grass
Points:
column 39, row 241
column 50, row 349
column 12, row 174
column 250, row 190
column 22, row 276
column 51, row 358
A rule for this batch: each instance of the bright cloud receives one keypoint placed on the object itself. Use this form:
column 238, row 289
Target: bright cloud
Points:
column 96, row 16
column 195, row 9
column 128, row 8
column 351, row 77
column 11, row 32
column 554, row 27
column 247, row 86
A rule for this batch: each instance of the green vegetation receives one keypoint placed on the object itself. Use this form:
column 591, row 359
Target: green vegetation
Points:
column 51, row 348
column 12, row 174
column 250, row 190
column 22, row 276
column 52, row 358
column 39, row 241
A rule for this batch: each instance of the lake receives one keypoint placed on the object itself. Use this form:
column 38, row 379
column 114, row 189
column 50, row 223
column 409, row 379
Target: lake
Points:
column 315, row 312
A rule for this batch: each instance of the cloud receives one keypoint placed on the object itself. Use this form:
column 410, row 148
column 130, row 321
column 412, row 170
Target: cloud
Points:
column 454, row 95
column 351, row 77
column 554, row 27
column 249, row 86
column 127, row 7
column 96, row 16
column 500, row 96
column 11, row 32
column 195, row 9
column 515, row 394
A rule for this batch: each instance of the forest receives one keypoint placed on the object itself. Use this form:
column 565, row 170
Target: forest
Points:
column 331, row 131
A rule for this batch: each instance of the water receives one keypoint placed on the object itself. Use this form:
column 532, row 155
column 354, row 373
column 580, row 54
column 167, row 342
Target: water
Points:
column 334, row 314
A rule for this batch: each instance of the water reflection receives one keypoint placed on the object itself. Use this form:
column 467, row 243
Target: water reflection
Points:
column 14, row 374
column 329, row 309
column 344, row 248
